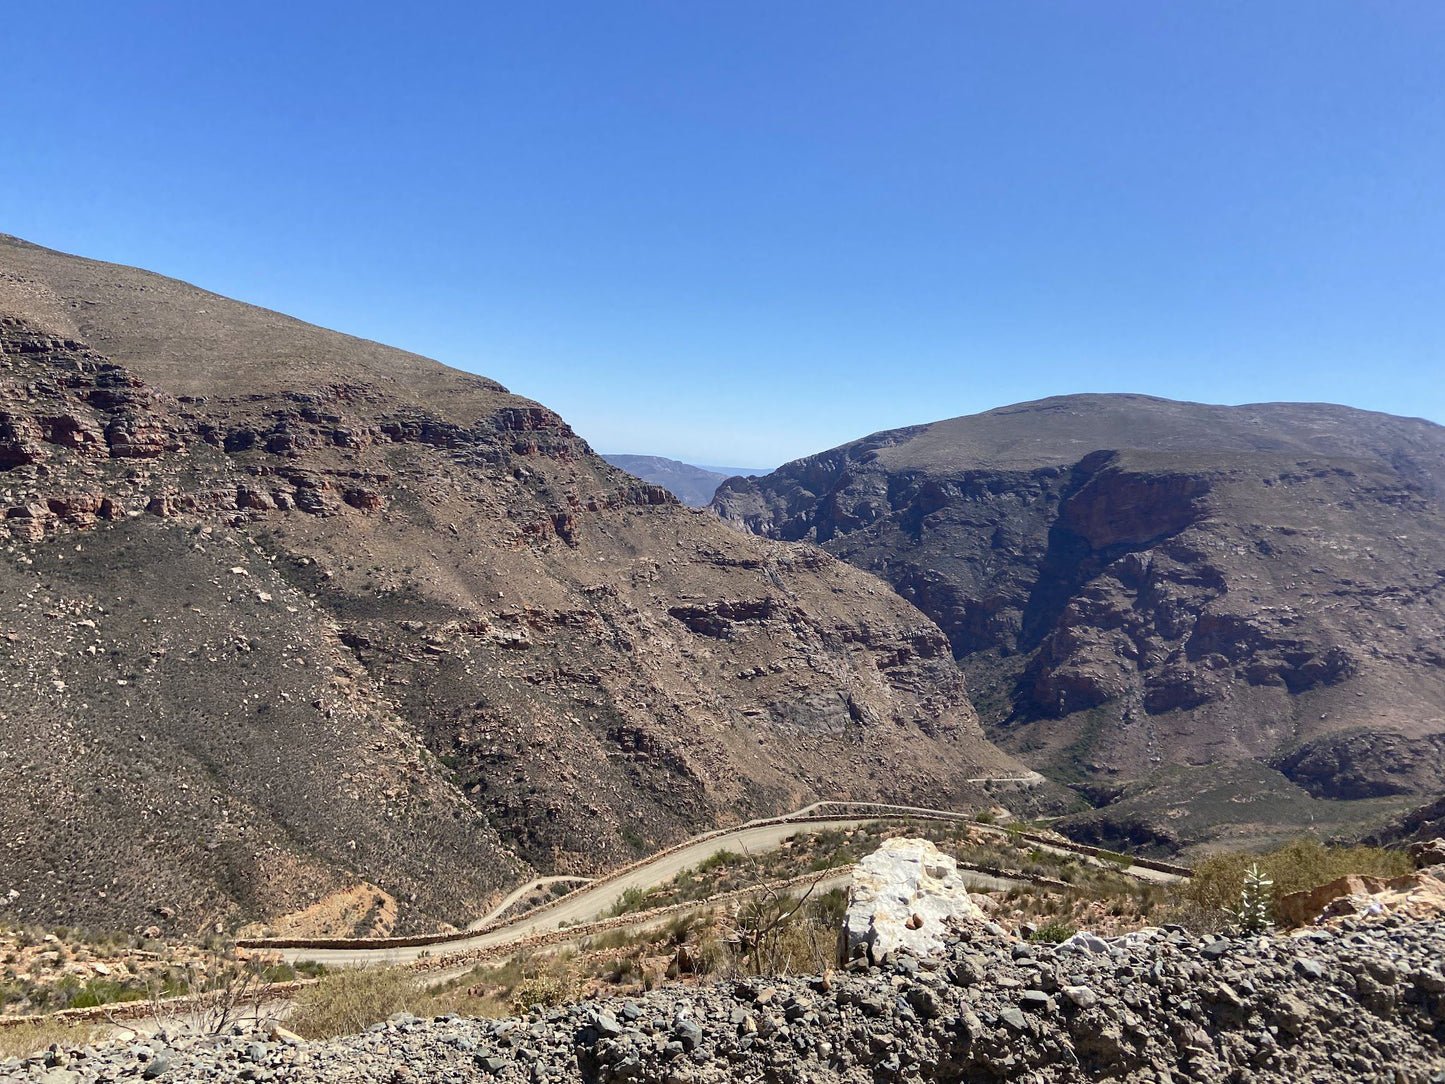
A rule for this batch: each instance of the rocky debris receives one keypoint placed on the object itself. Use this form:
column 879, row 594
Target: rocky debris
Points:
column 904, row 897
column 1415, row 895
column 1362, row 1002
column 1419, row 825
column 1135, row 586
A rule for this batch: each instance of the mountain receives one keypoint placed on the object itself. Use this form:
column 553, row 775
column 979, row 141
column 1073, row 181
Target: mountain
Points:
column 691, row 485
column 1202, row 615
column 286, row 611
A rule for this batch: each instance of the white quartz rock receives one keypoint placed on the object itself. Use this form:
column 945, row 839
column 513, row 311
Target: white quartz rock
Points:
column 903, row 896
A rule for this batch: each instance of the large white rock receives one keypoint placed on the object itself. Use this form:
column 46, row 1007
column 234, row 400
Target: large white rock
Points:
column 903, row 896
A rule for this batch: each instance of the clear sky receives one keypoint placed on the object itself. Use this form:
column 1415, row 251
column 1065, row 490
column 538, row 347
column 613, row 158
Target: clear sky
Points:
column 745, row 230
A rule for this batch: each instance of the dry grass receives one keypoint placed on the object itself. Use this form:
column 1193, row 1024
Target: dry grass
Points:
column 22, row 1040
column 349, row 1000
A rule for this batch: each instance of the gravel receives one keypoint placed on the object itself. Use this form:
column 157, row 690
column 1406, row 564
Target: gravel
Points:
column 1362, row 1002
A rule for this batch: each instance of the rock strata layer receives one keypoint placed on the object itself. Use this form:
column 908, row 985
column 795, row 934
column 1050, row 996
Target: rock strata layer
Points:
column 1333, row 1006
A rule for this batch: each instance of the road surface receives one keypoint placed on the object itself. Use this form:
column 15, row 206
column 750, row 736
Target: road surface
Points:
column 519, row 892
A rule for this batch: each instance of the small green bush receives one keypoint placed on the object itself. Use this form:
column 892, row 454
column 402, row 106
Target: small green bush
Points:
column 633, row 899
column 720, row 858
column 542, row 990
column 104, row 992
column 1054, row 933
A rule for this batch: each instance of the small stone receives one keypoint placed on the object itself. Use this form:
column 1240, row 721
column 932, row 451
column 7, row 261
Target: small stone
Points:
column 687, row 1032
column 606, row 1024
column 1084, row 942
column 1036, row 1001
column 1014, row 1019
column 1081, row 996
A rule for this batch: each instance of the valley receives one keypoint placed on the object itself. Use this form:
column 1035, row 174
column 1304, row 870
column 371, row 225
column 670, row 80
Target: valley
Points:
column 1146, row 594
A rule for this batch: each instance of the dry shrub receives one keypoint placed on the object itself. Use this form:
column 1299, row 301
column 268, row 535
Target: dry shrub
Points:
column 22, row 1040
column 547, row 991
column 349, row 1000
column 1302, row 865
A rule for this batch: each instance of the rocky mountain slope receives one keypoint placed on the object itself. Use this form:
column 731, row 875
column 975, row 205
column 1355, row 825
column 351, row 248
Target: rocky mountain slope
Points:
column 1148, row 590
column 284, row 611
column 693, row 486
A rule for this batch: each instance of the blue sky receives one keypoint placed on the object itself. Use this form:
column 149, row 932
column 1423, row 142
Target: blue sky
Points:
column 738, row 232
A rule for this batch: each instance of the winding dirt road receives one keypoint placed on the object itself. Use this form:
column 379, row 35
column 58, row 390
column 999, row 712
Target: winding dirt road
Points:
column 592, row 903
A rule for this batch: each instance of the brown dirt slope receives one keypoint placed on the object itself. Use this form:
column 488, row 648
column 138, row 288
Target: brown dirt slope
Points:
column 1139, row 587
column 284, row 610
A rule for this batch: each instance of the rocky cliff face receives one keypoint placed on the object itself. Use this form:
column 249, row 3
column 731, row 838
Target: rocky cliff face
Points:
column 1135, row 584
column 286, row 610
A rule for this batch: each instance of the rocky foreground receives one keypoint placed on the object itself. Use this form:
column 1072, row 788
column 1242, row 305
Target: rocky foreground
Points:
column 1360, row 1002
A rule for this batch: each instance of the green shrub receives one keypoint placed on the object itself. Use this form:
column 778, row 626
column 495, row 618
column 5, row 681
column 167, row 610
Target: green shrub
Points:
column 720, row 858
column 104, row 992
column 1256, row 900
column 1054, row 933
column 633, row 899
column 544, row 990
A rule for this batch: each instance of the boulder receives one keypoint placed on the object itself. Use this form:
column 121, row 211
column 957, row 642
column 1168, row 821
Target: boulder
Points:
column 903, row 897
column 1428, row 852
column 1300, row 908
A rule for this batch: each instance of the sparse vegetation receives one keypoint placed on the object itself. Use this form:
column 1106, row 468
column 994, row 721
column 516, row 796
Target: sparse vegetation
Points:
column 1053, row 933
column 350, row 999
column 22, row 1040
column 1256, row 901
column 1304, row 864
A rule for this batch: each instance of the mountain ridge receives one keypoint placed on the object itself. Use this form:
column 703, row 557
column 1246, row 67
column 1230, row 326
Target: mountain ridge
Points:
column 1123, row 576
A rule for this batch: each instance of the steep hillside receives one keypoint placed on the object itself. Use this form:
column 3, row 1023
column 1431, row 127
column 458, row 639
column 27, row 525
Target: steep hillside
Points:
column 1148, row 590
column 285, row 610
column 691, row 485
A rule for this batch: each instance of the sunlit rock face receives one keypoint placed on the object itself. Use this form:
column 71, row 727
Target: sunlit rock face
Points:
column 904, row 896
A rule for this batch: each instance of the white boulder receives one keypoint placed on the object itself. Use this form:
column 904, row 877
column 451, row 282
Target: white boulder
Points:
column 904, row 896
